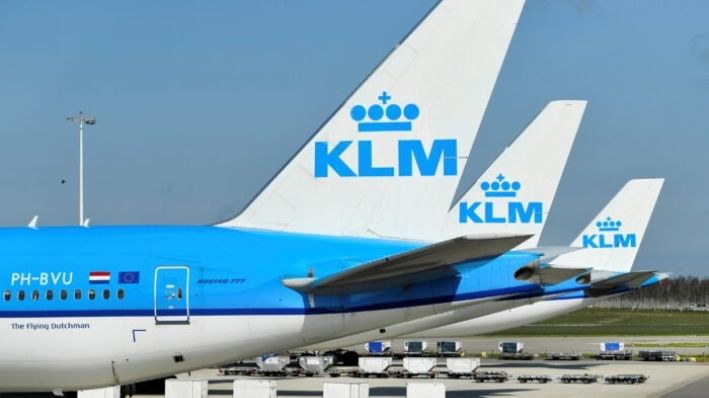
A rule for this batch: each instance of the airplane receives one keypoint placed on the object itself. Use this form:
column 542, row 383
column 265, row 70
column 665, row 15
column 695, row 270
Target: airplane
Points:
column 512, row 196
column 611, row 248
column 326, row 249
column 607, row 245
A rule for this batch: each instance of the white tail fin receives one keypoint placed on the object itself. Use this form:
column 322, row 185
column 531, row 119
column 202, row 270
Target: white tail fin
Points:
column 399, row 143
column 612, row 240
column 514, row 195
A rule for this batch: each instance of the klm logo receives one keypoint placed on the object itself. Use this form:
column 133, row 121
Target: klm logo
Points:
column 609, row 236
column 493, row 211
column 413, row 157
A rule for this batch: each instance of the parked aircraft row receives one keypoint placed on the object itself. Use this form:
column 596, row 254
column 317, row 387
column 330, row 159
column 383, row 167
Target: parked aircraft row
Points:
column 359, row 236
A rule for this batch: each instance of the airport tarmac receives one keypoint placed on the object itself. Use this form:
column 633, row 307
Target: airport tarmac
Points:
column 666, row 379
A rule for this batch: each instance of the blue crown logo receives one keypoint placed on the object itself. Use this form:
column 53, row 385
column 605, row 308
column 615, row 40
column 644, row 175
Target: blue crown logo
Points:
column 501, row 188
column 376, row 112
column 608, row 225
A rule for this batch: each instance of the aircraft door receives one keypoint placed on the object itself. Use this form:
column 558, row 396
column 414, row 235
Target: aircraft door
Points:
column 171, row 296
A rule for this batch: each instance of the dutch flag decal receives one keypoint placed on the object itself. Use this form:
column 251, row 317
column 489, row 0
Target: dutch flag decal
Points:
column 99, row 277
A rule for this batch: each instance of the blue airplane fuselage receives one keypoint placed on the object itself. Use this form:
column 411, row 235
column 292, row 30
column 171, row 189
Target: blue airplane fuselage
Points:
column 214, row 271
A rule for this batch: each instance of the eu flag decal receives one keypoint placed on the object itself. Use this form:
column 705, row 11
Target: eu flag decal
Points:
column 129, row 277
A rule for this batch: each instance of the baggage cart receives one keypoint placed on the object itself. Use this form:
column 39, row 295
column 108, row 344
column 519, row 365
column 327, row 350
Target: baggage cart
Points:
column 491, row 376
column 626, row 379
column 579, row 378
column 541, row 379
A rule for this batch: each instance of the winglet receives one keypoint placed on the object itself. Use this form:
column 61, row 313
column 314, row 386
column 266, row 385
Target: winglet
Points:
column 33, row 222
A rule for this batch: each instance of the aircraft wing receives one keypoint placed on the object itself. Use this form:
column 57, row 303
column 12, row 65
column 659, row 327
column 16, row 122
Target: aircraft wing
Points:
column 630, row 279
column 404, row 268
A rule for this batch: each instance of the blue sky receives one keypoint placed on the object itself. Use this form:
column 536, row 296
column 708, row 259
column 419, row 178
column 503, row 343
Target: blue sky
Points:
column 200, row 103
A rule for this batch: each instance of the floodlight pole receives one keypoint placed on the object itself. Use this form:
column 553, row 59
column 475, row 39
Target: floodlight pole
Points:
column 81, row 119
column 81, row 170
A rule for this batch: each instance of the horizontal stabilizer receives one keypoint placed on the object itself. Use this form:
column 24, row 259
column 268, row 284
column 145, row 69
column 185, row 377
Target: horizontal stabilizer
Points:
column 553, row 275
column 548, row 253
column 548, row 275
column 630, row 280
column 404, row 268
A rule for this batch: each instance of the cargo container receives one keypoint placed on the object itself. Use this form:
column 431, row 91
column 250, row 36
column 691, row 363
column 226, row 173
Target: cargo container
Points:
column 513, row 350
column 419, row 366
column 315, row 365
column 449, row 348
column 415, row 347
column 373, row 366
column 272, row 366
column 614, row 351
column 461, row 367
column 382, row 347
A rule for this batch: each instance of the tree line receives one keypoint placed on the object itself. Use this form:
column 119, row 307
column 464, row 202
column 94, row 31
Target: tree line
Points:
column 683, row 293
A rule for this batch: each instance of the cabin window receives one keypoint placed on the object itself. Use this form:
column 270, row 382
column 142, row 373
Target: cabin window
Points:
column 63, row 294
column 179, row 293
column 7, row 295
column 92, row 294
column 49, row 295
column 35, row 295
column 120, row 294
column 21, row 295
column 106, row 294
column 77, row 294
